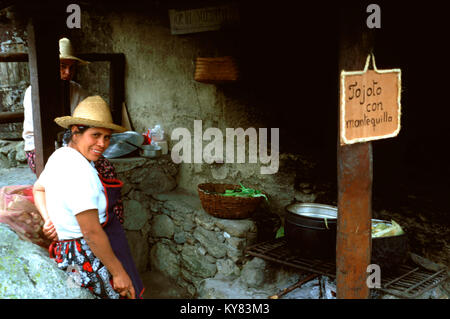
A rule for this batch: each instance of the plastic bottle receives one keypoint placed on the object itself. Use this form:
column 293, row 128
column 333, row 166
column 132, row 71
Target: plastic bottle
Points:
column 157, row 134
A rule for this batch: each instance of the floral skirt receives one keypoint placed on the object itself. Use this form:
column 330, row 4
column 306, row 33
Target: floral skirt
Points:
column 31, row 160
column 84, row 269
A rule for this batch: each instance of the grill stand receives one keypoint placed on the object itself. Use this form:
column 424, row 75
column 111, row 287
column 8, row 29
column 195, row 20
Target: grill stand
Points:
column 409, row 282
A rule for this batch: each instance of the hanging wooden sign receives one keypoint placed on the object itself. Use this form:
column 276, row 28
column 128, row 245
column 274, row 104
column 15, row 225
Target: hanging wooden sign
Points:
column 369, row 104
column 203, row 19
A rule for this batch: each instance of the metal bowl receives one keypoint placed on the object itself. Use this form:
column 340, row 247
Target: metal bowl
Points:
column 151, row 151
column 123, row 143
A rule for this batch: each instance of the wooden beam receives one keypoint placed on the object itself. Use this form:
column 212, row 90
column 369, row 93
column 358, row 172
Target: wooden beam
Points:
column 98, row 57
column 45, row 80
column 11, row 117
column 13, row 57
column 354, row 170
column 92, row 57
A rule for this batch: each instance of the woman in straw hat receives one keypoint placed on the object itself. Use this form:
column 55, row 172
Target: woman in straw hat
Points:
column 76, row 204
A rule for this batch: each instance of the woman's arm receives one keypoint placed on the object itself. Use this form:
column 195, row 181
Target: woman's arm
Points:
column 40, row 203
column 99, row 243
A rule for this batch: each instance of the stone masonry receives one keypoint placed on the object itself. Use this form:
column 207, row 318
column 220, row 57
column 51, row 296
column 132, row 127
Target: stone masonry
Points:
column 169, row 231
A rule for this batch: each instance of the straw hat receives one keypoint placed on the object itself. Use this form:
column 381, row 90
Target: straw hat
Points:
column 92, row 111
column 66, row 51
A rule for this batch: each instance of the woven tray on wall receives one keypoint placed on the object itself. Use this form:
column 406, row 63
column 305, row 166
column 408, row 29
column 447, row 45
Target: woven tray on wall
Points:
column 231, row 207
column 216, row 70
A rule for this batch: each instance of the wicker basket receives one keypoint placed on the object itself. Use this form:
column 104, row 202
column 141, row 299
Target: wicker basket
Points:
column 216, row 70
column 231, row 207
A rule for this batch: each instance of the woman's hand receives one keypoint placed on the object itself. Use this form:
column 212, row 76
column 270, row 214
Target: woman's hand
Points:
column 49, row 230
column 123, row 285
column 99, row 243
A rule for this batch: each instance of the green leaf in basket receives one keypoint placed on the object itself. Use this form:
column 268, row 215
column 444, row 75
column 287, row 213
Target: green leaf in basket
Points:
column 244, row 192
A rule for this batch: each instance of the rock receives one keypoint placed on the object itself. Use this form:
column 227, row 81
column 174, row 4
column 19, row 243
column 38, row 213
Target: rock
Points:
column 197, row 264
column 26, row 272
column 13, row 153
column 162, row 226
column 226, row 268
column 156, row 181
column 180, row 237
column 188, row 225
column 252, row 273
column 127, row 164
column 181, row 207
column 135, row 216
column 7, row 147
column 178, row 216
column 237, row 243
column 236, row 227
column 127, row 187
column 204, row 220
column 191, row 278
column 179, row 195
column 139, row 249
column 163, row 259
column 4, row 161
column 211, row 242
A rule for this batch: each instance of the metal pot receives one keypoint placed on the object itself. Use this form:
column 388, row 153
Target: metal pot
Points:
column 311, row 230
column 311, row 233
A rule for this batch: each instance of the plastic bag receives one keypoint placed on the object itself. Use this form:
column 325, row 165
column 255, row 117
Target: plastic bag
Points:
column 381, row 229
column 17, row 210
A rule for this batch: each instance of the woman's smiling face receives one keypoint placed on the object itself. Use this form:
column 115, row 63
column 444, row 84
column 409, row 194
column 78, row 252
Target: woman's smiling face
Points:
column 92, row 142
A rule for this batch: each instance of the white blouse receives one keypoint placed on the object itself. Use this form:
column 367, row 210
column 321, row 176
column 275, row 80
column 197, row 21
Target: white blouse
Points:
column 72, row 186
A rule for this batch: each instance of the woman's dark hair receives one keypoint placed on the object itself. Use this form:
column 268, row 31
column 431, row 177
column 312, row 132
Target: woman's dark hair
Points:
column 67, row 137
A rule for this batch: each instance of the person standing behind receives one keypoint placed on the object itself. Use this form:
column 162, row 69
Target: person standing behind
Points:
column 68, row 64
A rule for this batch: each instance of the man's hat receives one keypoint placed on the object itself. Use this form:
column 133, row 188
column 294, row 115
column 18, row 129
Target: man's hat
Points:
column 66, row 51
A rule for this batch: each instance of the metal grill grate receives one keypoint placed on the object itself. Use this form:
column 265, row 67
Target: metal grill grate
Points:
column 409, row 282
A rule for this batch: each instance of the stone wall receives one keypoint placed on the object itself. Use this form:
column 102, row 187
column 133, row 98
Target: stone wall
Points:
column 12, row 154
column 14, row 76
column 170, row 233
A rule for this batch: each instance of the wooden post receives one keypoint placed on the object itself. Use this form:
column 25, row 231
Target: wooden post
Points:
column 45, row 79
column 354, row 170
column 116, row 86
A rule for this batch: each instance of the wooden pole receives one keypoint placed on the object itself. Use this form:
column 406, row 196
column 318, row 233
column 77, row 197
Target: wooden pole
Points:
column 45, row 79
column 354, row 170
column 116, row 86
